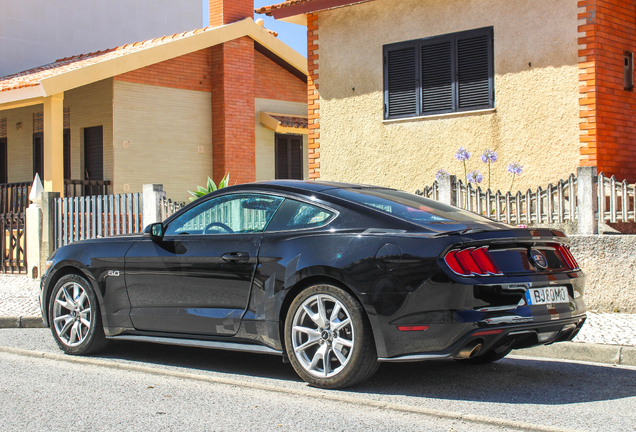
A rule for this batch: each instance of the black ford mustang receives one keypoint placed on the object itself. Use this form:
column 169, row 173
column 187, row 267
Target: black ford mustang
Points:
column 333, row 277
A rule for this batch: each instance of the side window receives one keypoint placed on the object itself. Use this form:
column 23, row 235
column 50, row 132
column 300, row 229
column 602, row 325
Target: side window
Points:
column 298, row 215
column 239, row 213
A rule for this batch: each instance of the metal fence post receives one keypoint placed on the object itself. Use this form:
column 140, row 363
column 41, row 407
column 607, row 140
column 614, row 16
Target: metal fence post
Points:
column 152, row 203
column 447, row 185
column 587, row 200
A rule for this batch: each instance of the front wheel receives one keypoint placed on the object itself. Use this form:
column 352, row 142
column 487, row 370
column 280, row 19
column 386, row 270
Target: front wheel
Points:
column 76, row 322
column 328, row 338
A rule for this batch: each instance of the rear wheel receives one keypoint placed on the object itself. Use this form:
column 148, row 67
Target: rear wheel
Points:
column 76, row 322
column 328, row 338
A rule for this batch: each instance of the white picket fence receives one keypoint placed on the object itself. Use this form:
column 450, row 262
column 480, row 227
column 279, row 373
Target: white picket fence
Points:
column 168, row 207
column 614, row 202
column 79, row 218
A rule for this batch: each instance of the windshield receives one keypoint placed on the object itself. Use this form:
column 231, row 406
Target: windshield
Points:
column 411, row 207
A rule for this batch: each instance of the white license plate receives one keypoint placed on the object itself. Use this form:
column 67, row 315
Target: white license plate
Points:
column 547, row 295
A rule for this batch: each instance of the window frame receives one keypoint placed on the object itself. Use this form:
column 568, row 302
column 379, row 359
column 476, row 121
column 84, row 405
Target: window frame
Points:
column 288, row 142
column 188, row 209
column 433, row 40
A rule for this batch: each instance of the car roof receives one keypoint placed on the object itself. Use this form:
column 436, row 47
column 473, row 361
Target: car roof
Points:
column 304, row 185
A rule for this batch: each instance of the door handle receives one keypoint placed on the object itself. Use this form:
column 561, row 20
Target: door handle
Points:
column 236, row 257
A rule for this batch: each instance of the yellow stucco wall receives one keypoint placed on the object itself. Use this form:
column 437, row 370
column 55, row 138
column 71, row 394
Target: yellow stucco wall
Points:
column 20, row 143
column 164, row 128
column 90, row 106
column 535, row 120
column 265, row 146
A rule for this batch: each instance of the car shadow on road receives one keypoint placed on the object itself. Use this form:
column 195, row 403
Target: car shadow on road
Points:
column 211, row 360
column 512, row 380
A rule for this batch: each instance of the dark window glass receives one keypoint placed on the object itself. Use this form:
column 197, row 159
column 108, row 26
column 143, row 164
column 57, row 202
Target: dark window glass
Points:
column 67, row 153
column 289, row 157
column 413, row 208
column 38, row 155
column 238, row 213
column 294, row 214
column 3, row 160
column 439, row 74
column 628, row 70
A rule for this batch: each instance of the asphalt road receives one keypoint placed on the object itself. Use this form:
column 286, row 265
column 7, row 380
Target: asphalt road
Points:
column 155, row 387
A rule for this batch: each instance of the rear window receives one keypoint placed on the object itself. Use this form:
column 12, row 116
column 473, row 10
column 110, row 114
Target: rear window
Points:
column 294, row 214
column 411, row 207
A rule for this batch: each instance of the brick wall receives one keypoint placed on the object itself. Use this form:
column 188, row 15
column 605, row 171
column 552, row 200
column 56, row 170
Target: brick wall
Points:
column 608, row 125
column 313, row 97
column 188, row 72
column 228, row 11
column 274, row 82
column 233, row 116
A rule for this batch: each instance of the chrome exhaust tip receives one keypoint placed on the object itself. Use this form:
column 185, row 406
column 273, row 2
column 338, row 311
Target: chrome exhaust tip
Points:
column 470, row 350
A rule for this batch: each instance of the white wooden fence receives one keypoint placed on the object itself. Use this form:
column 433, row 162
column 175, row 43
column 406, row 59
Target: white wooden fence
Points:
column 616, row 200
column 167, row 207
column 79, row 218
column 611, row 201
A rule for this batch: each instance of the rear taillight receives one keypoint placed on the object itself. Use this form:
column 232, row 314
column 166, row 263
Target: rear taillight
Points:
column 568, row 258
column 472, row 262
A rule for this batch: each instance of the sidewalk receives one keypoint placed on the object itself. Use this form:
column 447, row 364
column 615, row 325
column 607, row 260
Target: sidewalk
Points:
column 605, row 337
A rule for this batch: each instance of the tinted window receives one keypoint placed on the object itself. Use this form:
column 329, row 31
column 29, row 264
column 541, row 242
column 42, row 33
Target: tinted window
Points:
column 240, row 213
column 413, row 208
column 297, row 215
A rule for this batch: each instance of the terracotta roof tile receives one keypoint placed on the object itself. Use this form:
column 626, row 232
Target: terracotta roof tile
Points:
column 32, row 77
column 268, row 9
column 291, row 121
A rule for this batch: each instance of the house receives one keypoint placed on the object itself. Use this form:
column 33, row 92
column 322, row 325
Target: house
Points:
column 395, row 88
column 229, row 98
column 35, row 32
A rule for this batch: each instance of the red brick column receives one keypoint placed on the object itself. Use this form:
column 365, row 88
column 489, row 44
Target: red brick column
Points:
column 608, row 111
column 233, row 118
column 313, row 97
column 228, row 11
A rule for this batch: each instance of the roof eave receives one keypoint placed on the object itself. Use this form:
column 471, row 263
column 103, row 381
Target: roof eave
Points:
column 295, row 11
column 112, row 67
column 22, row 97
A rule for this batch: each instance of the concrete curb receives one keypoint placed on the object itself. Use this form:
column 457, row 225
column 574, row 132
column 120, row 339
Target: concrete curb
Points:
column 582, row 351
column 21, row 322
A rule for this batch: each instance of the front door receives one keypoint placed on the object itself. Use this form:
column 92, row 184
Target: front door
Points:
column 198, row 278
column 93, row 157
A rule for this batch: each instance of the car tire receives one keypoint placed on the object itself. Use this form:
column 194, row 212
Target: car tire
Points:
column 488, row 357
column 75, row 317
column 324, row 320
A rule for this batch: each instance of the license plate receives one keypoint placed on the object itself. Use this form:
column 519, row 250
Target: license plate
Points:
column 547, row 295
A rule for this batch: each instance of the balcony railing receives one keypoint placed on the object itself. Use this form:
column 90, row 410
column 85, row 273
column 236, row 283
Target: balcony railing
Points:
column 79, row 188
column 14, row 197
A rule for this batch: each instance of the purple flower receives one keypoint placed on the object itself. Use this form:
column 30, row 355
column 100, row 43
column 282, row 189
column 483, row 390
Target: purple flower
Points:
column 462, row 154
column 441, row 172
column 515, row 168
column 475, row 177
column 489, row 156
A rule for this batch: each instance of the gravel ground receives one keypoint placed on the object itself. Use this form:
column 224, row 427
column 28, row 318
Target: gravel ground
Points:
column 19, row 297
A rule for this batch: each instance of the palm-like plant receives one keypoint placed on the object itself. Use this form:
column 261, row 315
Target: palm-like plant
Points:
column 210, row 187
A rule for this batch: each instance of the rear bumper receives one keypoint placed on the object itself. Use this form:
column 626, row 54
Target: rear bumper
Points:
column 503, row 338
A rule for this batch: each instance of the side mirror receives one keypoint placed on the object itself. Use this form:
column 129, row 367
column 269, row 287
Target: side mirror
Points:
column 154, row 231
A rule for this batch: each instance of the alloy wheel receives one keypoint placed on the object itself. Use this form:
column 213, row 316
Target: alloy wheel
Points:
column 323, row 335
column 72, row 314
